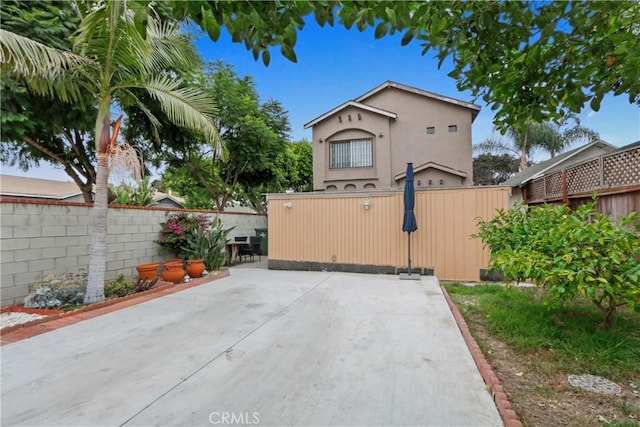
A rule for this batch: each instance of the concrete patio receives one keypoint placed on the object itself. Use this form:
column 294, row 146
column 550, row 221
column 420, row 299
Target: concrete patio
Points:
column 263, row 347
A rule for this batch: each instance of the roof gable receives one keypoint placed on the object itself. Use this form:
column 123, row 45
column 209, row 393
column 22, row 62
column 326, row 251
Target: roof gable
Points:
column 160, row 197
column 359, row 102
column 354, row 104
column 475, row 109
column 432, row 165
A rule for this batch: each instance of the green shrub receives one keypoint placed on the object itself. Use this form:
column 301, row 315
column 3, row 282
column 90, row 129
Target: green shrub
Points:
column 124, row 194
column 54, row 291
column 177, row 230
column 121, row 287
column 568, row 253
column 209, row 244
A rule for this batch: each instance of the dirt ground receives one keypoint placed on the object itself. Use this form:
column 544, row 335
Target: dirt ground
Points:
column 545, row 399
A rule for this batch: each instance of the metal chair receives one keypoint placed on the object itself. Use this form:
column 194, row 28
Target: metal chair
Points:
column 255, row 242
column 252, row 248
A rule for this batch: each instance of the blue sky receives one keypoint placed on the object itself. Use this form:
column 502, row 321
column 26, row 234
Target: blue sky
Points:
column 336, row 65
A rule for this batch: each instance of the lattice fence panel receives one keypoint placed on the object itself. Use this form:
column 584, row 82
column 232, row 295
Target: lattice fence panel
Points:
column 536, row 189
column 622, row 168
column 553, row 185
column 583, row 177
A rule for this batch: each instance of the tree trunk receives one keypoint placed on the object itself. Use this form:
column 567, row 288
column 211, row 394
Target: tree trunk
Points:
column 609, row 311
column 87, row 193
column 523, row 155
column 98, row 250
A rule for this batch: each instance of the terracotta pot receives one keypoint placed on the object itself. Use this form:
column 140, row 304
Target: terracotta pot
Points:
column 172, row 271
column 172, row 261
column 148, row 271
column 195, row 267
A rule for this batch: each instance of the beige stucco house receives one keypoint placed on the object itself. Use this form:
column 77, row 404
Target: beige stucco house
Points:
column 366, row 143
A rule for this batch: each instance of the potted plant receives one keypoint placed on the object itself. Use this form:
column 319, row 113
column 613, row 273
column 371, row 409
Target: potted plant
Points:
column 172, row 270
column 195, row 267
column 148, row 271
column 208, row 246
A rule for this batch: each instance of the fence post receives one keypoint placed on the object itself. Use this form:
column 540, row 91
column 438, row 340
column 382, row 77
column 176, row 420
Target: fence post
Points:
column 563, row 181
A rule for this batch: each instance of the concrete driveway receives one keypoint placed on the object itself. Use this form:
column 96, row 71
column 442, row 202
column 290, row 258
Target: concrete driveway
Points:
column 261, row 348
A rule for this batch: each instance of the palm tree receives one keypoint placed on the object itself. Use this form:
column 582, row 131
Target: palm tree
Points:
column 120, row 48
column 546, row 136
column 568, row 137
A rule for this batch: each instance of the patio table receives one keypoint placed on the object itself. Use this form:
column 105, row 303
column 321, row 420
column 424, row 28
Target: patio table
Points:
column 232, row 249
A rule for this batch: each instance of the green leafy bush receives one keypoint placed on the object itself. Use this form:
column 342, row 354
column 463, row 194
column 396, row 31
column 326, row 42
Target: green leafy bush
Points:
column 54, row 291
column 127, row 195
column 121, row 287
column 209, row 244
column 178, row 229
column 568, row 253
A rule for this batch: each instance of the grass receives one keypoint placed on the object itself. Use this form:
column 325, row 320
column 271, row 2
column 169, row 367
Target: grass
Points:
column 558, row 339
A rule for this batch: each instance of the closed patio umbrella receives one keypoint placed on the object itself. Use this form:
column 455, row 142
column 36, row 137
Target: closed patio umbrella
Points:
column 409, row 224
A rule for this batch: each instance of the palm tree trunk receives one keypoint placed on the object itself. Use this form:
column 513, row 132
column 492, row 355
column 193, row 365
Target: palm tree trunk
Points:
column 523, row 155
column 98, row 249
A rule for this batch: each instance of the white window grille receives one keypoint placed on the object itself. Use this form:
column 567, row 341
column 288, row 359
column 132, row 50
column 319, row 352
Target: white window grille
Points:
column 354, row 153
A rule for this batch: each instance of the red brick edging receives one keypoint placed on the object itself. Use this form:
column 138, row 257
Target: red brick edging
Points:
column 500, row 398
column 60, row 319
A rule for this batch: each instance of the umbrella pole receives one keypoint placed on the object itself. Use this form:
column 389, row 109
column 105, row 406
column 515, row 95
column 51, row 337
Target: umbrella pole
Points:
column 409, row 254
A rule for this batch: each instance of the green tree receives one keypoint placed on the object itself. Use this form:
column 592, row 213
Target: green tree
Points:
column 301, row 179
column 546, row 136
column 491, row 169
column 292, row 170
column 35, row 130
column 528, row 60
column 565, row 138
column 181, row 181
column 121, row 46
column 255, row 137
column 569, row 253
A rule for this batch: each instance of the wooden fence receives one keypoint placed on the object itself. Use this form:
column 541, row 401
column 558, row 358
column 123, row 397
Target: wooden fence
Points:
column 361, row 231
column 614, row 177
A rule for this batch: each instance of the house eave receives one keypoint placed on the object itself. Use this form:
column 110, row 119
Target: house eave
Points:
column 432, row 165
column 40, row 196
column 354, row 104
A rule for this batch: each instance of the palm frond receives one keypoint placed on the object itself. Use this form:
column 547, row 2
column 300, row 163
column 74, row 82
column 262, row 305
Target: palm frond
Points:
column 495, row 146
column 170, row 48
column 26, row 58
column 109, row 35
column 578, row 134
column 46, row 71
column 155, row 123
column 187, row 107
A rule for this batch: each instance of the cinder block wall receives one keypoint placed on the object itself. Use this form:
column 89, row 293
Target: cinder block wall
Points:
column 42, row 238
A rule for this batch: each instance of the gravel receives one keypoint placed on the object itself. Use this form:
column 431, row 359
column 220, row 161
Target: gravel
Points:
column 17, row 318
